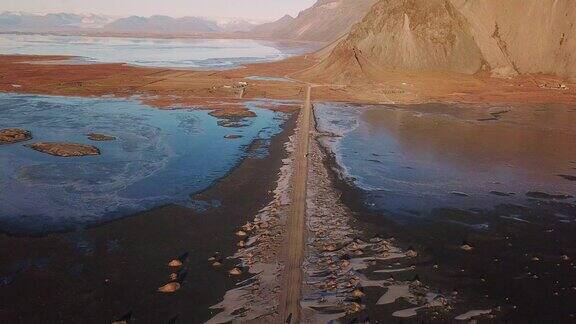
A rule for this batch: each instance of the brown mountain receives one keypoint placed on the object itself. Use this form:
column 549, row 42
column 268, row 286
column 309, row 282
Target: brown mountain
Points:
column 465, row 36
column 326, row 21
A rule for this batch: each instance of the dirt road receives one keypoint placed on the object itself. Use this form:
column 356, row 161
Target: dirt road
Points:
column 289, row 310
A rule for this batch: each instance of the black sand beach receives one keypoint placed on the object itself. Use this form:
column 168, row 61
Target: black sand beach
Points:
column 112, row 272
column 521, row 269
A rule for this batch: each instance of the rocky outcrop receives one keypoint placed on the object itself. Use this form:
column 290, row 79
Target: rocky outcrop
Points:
column 65, row 149
column 100, row 137
column 524, row 36
column 326, row 21
column 14, row 135
column 504, row 37
column 232, row 113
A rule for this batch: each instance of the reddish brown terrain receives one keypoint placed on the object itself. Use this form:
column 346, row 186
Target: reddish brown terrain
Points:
column 221, row 90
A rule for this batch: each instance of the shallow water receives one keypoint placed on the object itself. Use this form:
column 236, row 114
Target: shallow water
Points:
column 265, row 78
column 411, row 160
column 159, row 157
column 174, row 53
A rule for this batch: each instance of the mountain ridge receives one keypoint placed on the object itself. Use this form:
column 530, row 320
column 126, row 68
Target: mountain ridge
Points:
column 325, row 21
column 459, row 36
column 156, row 24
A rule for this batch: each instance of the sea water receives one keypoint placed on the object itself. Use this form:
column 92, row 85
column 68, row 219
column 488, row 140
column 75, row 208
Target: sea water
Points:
column 154, row 52
column 412, row 160
column 159, row 157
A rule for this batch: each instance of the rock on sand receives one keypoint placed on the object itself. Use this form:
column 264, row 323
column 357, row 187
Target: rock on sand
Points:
column 169, row 288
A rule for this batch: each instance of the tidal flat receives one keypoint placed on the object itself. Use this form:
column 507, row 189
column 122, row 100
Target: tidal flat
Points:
column 158, row 157
column 475, row 189
column 110, row 247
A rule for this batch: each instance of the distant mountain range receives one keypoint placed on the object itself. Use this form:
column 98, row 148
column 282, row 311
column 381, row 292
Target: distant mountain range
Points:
column 23, row 22
column 325, row 21
column 162, row 25
column 156, row 25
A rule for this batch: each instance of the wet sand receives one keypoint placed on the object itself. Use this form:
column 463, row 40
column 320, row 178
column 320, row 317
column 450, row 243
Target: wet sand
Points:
column 113, row 271
column 521, row 270
column 105, row 273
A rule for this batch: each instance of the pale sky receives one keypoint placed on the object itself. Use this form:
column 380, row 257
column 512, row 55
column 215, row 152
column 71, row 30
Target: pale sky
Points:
column 253, row 9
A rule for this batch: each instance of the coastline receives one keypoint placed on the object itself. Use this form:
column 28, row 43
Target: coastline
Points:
column 492, row 282
column 143, row 245
column 112, row 271
column 222, row 89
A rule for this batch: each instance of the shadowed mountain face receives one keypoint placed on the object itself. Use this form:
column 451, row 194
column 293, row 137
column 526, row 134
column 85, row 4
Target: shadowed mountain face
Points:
column 326, row 21
column 458, row 36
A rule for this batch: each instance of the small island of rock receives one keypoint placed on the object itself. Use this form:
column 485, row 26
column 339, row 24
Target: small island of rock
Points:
column 100, row 137
column 14, row 135
column 65, row 149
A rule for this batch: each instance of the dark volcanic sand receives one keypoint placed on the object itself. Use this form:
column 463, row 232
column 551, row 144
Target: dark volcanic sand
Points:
column 519, row 264
column 100, row 274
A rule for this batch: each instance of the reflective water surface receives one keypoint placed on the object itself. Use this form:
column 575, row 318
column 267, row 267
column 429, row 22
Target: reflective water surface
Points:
column 159, row 157
column 413, row 159
column 174, row 52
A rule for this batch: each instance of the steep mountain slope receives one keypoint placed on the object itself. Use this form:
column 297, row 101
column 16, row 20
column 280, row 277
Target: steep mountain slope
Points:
column 326, row 21
column 524, row 36
column 272, row 29
column 464, row 36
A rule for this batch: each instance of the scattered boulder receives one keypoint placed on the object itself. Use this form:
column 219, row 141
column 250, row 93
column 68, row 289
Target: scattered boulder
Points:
column 231, row 123
column 169, row 288
column 467, row 247
column 65, row 149
column 217, row 264
column 329, row 248
column 14, row 135
column 354, row 308
column 175, row 263
column 235, row 272
column 241, row 234
column 232, row 136
column 358, row 293
column 411, row 253
column 100, row 137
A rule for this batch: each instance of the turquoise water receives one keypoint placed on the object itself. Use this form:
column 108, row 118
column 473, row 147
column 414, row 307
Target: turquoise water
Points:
column 264, row 78
column 159, row 157
column 174, row 52
column 412, row 160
